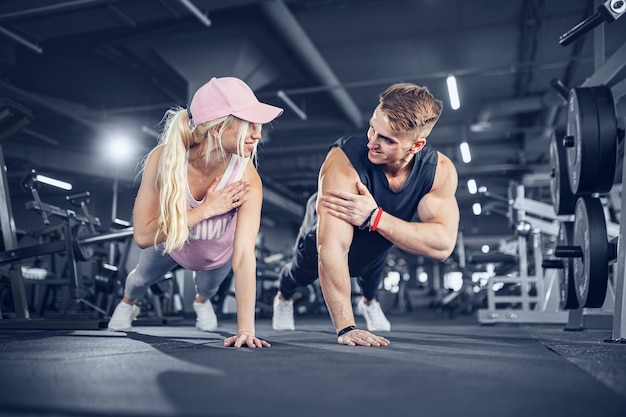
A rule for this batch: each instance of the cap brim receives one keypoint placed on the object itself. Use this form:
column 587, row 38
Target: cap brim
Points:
column 259, row 113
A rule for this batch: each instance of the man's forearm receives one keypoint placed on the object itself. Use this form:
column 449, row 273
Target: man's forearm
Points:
column 335, row 283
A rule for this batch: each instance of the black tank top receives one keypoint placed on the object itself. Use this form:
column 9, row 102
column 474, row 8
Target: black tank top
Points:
column 368, row 246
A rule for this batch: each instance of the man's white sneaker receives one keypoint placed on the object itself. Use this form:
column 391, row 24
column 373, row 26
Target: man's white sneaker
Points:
column 123, row 316
column 282, row 314
column 374, row 316
column 206, row 319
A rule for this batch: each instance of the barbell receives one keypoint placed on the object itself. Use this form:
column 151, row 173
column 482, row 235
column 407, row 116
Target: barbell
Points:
column 567, row 285
column 82, row 240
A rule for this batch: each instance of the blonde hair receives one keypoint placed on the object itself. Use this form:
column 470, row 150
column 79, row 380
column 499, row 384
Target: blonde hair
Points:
column 178, row 136
column 410, row 108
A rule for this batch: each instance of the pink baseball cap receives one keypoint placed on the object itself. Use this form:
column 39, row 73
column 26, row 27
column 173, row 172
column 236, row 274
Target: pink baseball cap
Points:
column 224, row 96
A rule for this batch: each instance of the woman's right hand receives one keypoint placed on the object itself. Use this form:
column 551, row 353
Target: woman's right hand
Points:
column 222, row 201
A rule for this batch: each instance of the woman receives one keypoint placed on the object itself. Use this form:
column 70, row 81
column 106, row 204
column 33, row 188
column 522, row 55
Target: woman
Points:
column 199, row 205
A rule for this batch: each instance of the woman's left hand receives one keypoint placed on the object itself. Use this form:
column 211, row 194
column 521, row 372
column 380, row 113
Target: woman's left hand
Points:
column 245, row 339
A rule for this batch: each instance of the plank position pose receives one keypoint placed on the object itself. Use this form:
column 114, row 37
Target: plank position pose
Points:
column 370, row 188
column 199, row 205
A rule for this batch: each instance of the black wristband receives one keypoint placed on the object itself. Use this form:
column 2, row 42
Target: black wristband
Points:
column 345, row 330
column 369, row 218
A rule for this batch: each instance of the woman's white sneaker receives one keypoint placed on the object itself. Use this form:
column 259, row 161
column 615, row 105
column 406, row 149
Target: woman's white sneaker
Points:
column 123, row 316
column 206, row 319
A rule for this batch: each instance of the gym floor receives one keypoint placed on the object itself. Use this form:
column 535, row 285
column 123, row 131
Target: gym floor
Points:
column 435, row 366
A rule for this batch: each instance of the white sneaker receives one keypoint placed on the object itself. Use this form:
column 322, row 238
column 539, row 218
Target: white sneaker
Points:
column 123, row 316
column 206, row 319
column 282, row 314
column 374, row 316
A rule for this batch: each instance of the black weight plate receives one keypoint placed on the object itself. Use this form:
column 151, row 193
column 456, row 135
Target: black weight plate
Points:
column 607, row 138
column 591, row 272
column 104, row 281
column 567, row 285
column 81, row 251
column 582, row 126
column 563, row 200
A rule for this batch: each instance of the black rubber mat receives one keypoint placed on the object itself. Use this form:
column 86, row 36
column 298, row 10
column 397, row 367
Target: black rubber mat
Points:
column 434, row 367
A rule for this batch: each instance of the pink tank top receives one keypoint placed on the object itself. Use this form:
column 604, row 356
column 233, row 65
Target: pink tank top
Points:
column 210, row 243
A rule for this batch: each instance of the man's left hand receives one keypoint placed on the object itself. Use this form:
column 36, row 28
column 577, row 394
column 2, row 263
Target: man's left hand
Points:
column 353, row 208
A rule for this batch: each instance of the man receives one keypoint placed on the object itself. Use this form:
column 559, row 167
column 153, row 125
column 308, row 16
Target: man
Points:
column 370, row 188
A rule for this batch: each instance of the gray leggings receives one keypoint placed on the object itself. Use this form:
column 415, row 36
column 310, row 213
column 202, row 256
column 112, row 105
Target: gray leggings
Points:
column 153, row 264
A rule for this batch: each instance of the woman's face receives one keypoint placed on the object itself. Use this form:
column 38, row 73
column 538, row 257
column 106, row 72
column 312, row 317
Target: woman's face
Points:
column 251, row 136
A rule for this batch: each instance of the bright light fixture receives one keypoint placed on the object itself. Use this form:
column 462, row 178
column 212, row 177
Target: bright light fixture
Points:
column 119, row 147
column 471, row 186
column 53, row 182
column 477, row 209
column 453, row 92
column 293, row 106
column 465, row 152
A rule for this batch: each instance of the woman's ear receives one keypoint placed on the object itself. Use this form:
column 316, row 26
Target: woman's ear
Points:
column 215, row 130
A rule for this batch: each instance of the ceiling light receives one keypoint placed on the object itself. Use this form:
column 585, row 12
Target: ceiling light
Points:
column 465, row 152
column 54, row 182
column 471, row 186
column 21, row 40
column 477, row 209
column 453, row 92
column 284, row 97
column 119, row 147
column 196, row 12
column 149, row 131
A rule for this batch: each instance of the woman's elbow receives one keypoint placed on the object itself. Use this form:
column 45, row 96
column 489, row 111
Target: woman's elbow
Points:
column 143, row 241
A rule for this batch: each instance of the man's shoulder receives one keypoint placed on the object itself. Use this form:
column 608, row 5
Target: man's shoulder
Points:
column 350, row 140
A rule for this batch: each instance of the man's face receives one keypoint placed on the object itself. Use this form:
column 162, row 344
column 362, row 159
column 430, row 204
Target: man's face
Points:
column 387, row 146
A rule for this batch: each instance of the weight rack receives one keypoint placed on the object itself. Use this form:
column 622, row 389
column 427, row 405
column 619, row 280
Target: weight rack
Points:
column 14, row 117
column 606, row 74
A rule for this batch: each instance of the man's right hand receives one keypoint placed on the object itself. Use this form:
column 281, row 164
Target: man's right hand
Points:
column 359, row 337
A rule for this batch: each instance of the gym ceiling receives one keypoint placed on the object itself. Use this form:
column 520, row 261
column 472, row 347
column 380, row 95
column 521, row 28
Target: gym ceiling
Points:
column 86, row 68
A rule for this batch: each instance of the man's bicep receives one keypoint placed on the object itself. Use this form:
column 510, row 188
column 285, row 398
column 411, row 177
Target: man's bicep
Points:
column 336, row 174
column 333, row 231
column 440, row 207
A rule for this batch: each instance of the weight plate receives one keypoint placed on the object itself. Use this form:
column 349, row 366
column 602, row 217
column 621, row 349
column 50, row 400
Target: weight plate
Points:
column 583, row 154
column 591, row 272
column 563, row 200
column 607, row 138
column 83, row 252
column 104, row 280
column 567, row 285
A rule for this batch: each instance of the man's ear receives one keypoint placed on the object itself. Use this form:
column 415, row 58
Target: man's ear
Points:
column 418, row 145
